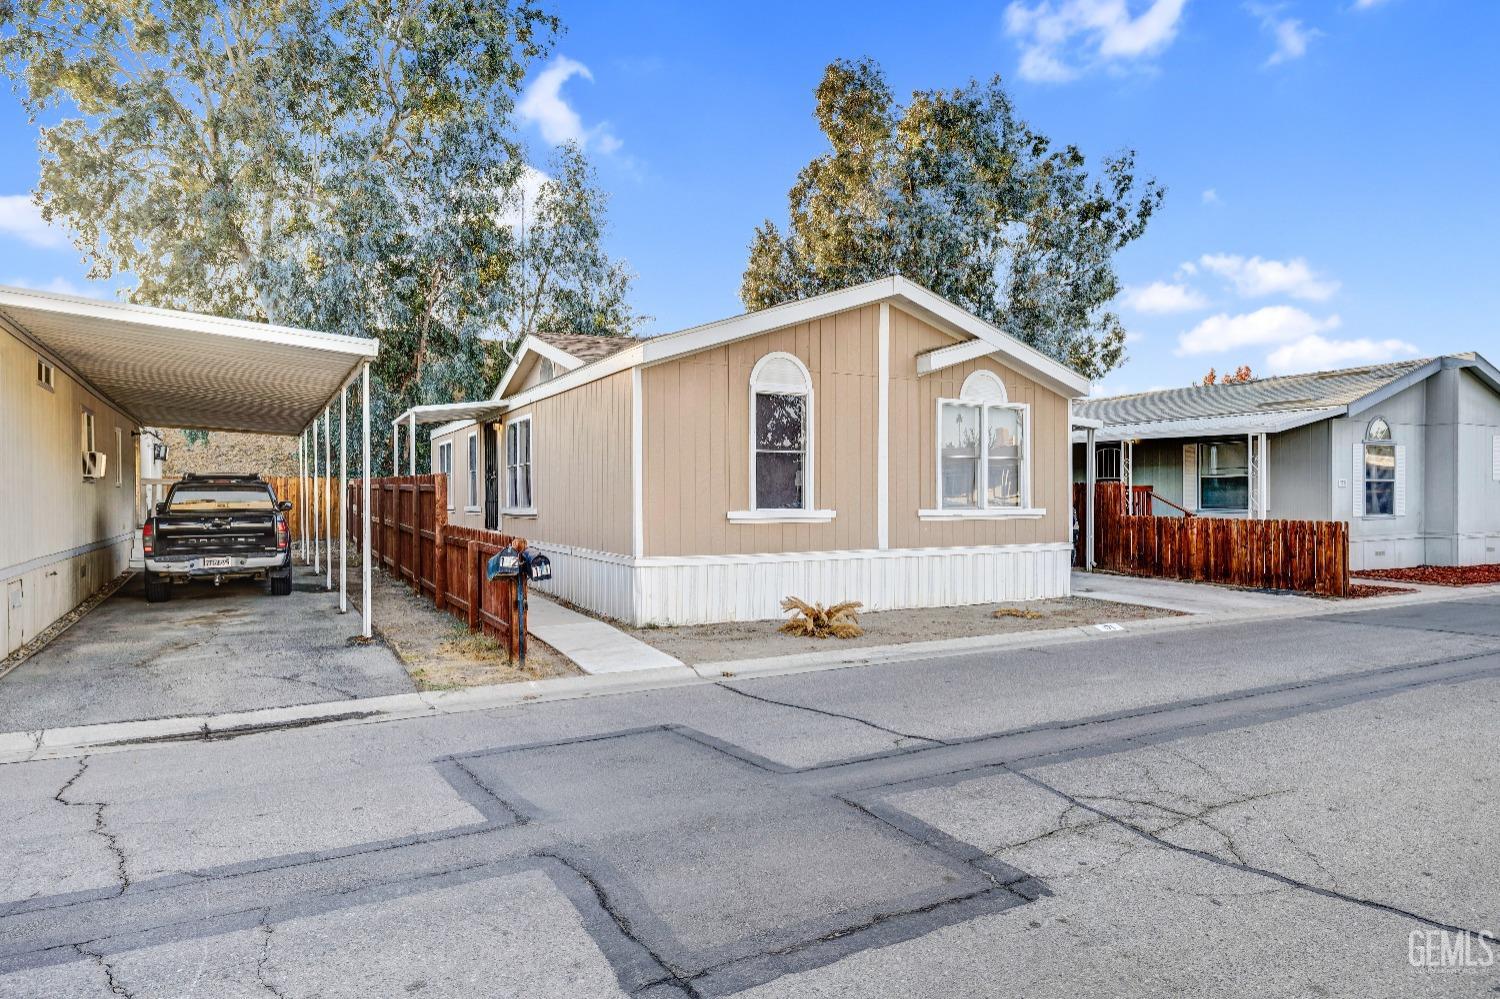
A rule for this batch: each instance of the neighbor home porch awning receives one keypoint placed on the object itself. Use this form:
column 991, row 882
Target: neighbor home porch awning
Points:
column 182, row 369
column 1213, row 426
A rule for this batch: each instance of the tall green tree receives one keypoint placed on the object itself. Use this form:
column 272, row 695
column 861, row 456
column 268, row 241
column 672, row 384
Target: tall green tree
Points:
column 956, row 192
column 339, row 164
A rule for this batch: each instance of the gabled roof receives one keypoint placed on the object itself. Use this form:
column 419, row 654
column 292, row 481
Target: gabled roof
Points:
column 912, row 297
column 1266, row 405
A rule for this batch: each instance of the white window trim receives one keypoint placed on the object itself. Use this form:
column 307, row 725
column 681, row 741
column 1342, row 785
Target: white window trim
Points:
column 1362, row 483
column 46, row 375
column 808, row 512
column 1218, row 511
column 119, row 458
column 472, row 472
column 446, row 447
column 88, row 429
column 508, row 507
column 965, row 398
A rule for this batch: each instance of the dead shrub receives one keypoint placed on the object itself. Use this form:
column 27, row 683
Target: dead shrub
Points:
column 816, row 621
column 1021, row 612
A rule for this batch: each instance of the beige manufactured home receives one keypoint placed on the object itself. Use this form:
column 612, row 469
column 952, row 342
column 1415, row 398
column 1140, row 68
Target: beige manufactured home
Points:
column 876, row 444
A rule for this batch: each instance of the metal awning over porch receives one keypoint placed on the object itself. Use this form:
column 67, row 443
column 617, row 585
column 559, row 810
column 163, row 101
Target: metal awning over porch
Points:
column 164, row 368
column 1196, row 428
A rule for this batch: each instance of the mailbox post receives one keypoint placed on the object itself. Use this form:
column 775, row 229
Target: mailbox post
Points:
column 508, row 563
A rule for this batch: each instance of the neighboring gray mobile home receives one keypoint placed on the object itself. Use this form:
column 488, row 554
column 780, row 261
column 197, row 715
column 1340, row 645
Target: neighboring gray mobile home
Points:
column 1408, row 453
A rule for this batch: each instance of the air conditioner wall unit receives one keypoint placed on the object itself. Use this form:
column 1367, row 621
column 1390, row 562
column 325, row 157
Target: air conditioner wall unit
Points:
column 93, row 464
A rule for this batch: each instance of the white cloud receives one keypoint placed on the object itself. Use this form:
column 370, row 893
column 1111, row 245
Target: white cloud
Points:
column 58, row 285
column 1211, row 197
column 21, row 218
column 543, row 105
column 1163, row 297
column 1275, row 324
column 1313, row 352
column 1291, row 36
column 1367, row 4
column 1060, row 38
column 1254, row 277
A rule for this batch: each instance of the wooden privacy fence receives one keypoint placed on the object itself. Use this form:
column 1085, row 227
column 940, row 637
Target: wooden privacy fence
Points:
column 289, row 487
column 1307, row 555
column 411, row 539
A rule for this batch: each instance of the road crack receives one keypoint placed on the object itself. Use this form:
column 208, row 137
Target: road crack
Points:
column 116, row 987
column 834, row 714
column 100, row 827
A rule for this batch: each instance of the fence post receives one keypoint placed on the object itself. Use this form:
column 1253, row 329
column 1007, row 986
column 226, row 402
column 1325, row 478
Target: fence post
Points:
column 475, row 574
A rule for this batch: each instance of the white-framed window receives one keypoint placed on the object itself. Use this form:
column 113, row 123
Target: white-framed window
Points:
column 1379, row 469
column 119, row 458
column 1224, row 475
column 445, row 466
column 518, row 495
column 473, row 501
column 1110, row 465
column 781, row 400
column 46, row 377
column 983, row 452
column 88, row 430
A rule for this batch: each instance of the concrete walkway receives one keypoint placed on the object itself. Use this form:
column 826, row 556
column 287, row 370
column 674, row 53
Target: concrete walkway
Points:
column 1187, row 598
column 594, row 646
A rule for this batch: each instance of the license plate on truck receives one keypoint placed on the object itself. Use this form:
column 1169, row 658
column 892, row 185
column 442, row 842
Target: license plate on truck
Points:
column 219, row 562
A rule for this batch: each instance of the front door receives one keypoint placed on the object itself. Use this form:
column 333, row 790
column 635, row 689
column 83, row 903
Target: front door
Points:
column 492, row 477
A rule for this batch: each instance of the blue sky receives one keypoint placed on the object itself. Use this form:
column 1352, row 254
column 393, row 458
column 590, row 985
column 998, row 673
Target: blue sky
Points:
column 1331, row 165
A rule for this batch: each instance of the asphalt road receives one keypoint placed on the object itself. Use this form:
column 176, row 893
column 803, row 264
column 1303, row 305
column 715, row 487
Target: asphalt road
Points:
column 1301, row 807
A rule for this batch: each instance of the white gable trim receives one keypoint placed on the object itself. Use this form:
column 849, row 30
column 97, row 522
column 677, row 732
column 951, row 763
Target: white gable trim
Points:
column 947, row 357
column 534, row 345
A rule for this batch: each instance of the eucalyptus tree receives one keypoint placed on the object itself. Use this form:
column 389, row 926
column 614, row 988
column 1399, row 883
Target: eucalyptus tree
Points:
column 955, row 191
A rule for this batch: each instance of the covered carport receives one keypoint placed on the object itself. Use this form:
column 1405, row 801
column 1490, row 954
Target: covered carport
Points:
column 164, row 368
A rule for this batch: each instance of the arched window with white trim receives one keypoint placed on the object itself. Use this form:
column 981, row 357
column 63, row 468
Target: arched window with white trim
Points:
column 982, row 449
column 781, row 401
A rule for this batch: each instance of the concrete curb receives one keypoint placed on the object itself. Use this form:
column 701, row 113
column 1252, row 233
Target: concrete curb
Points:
column 73, row 741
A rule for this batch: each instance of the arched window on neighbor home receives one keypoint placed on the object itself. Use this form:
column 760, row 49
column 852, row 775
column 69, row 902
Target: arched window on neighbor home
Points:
column 982, row 449
column 1380, row 460
column 781, row 452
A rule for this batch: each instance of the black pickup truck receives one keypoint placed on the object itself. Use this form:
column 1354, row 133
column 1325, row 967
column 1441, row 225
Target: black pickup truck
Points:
column 217, row 527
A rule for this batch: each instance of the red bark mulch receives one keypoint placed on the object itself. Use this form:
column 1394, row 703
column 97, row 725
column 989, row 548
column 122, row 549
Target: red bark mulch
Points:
column 1440, row 575
column 1358, row 590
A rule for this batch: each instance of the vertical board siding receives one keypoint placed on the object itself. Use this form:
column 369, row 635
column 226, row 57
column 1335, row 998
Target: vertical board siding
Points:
column 913, row 448
column 696, row 414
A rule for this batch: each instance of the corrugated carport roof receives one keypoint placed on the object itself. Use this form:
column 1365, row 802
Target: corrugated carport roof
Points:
column 183, row 369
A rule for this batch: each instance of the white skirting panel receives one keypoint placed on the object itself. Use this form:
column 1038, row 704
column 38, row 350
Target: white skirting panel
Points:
column 713, row 588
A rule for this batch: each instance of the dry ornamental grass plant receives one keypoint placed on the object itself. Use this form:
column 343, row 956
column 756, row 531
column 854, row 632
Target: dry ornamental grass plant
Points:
column 816, row 621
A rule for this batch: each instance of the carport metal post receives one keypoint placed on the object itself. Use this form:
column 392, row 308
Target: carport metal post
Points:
column 328, row 489
column 1090, row 478
column 317, row 549
column 302, row 493
column 411, row 445
column 365, row 560
column 344, row 499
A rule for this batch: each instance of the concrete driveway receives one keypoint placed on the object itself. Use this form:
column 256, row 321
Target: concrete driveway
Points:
column 1303, row 807
column 206, row 650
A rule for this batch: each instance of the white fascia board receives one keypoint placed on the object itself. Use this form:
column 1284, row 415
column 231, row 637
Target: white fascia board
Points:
column 531, row 345
column 192, row 322
column 1085, row 422
column 1028, row 358
column 592, row 371
column 448, row 428
column 958, row 353
column 1395, row 386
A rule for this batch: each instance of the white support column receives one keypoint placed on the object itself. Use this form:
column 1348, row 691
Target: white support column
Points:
column 302, row 493
column 365, row 596
column 396, row 446
column 1253, row 478
column 1265, row 478
column 317, row 549
column 328, row 492
column 1090, row 471
column 344, row 500
column 411, row 445
column 883, row 431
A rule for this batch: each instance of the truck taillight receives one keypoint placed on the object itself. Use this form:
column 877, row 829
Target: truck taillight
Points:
column 283, row 535
column 146, row 538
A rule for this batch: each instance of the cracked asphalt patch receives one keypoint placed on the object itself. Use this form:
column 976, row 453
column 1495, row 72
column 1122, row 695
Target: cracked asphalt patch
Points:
column 1281, row 836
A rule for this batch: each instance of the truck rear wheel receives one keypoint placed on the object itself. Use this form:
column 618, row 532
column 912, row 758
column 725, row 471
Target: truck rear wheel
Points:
column 281, row 583
column 157, row 589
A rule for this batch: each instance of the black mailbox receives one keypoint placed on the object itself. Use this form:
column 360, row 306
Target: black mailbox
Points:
column 538, row 566
column 504, row 563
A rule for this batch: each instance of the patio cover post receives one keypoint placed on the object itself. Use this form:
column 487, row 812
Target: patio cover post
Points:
column 396, row 446
column 1089, row 477
column 317, row 549
column 328, row 490
column 365, row 559
column 411, row 445
column 344, row 499
column 302, row 494
column 1265, row 480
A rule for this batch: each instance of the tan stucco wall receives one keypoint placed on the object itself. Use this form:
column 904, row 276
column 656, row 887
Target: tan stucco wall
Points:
column 696, row 441
column 913, row 451
column 51, row 512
